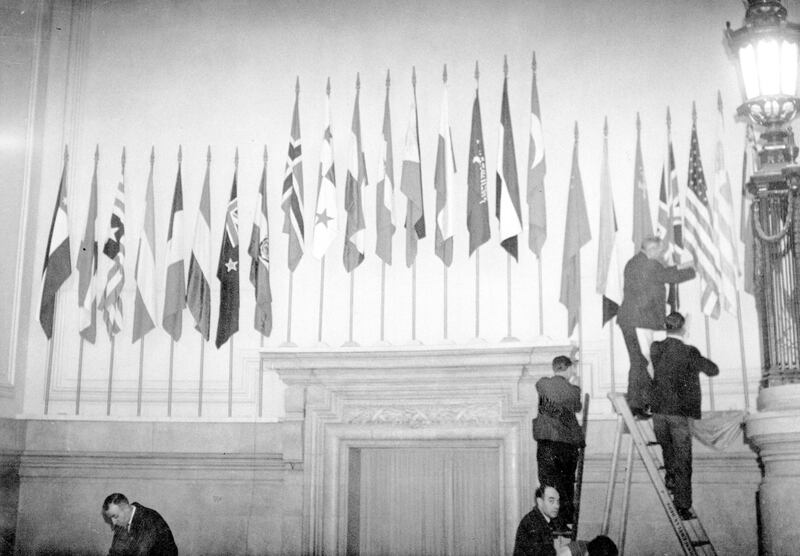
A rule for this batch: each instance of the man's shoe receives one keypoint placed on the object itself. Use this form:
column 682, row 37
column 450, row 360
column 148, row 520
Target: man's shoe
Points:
column 686, row 514
column 641, row 414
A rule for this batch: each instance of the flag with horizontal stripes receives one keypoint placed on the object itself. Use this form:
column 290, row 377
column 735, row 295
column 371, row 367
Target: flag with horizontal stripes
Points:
column 114, row 250
column 355, row 230
column 411, row 184
column 259, row 255
column 144, row 310
column 384, row 195
column 537, row 168
column 576, row 235
column 326, row 213
column 175, row 281
column 722, row 214
column 292, row 201
column 87, row 267
column 444, row 182
column 608, row 269
column 699, row 235
column 745, row 217
column 477, row 183
column 198, row 289
column 228, row 269
column 642, row 221
column 507, row 208
column 57, row 258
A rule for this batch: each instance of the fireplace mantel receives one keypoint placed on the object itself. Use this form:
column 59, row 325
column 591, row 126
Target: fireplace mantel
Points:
column 367, row 397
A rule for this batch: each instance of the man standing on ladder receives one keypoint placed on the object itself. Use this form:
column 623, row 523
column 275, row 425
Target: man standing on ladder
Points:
column 676, row 402
column 558, row 435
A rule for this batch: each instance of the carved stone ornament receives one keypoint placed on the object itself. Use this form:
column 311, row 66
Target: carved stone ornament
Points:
column 424, row 416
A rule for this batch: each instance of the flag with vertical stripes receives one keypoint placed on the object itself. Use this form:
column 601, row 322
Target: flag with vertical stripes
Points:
column 114, row 250
column 292, row 201
column 444, row 182
column 259, row 255
column 144, row 310
column 326, row 213
column 745, row 217
column 576, row 235
column 411, row 184
column 198, row 289
column 537, row 168
column 477, row 186
column 507, row 208
column 608, row 270
column 174, row 284
column 57, row 258
column 228, row 269
column 642, row 221
column 87, row 268
column 384, row 195
column 699, row 234
column 354, row 241
column 724, row 227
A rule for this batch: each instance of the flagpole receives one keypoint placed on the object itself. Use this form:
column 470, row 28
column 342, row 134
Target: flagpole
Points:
column 49, row 366
column 745, row 382
column 477, row 293
column 414, row 301
column 80, row 376
column 508, row 294
column 110, row 376
column 350, row 342
column 383, row 298
column 230, row 378
column 611, row 353
column 288, row 342
column 541, row 297
column 580, row 318
column 321, row 297
column 169, row 385
column 444, row 311
column 200, row 385
column 708, row 354
column 141, row 376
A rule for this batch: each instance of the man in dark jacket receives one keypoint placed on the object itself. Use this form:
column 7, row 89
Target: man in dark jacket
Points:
column 676, row 402
column 138, row 530
column 537, row 534
column 642, row 313
column 557, row 432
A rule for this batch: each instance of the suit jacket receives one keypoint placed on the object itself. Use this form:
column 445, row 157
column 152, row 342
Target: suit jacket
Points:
column 535, row 534
column 149, row 535
column 676, row 368
column 558, row 402
column 644, row 295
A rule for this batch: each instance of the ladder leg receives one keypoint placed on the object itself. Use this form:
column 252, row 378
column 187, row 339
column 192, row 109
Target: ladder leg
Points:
column 626, row 497
column 612, row 478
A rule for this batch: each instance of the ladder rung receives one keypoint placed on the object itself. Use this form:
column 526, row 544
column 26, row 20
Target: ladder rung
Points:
column 701, row 543
column 653, row 443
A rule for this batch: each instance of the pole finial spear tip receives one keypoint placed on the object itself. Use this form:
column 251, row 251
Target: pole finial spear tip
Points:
column 96, row 152
column 208, row 155
column 444, row 74
column 477, row 72
column 576, row 131
column 358, row 81
column 719, row 100
column 669, row 120
column 180, row 154
column 605, row 126
column 505, row 65
column 123, row 158
column 388, row 79
column 152, row 154
column 694, row 112
column 297, row 86
column 638, row 124
column 236, row 158
column 414, row 76
column 533, row 62
column 328, row 87
column 265, row 155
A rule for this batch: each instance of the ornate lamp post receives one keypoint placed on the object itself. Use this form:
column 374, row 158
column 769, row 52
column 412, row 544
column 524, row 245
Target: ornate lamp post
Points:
column 766, row 49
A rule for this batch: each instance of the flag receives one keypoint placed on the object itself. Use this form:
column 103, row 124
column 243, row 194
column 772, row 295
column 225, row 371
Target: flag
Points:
column 353, row 253
column 444, row 180
column 745, row 217
column 608, row 275
column 174, row 284
column 507, row 208
column 576, row 235
column 144, row 311
column 699, row 234
column 87, row 267
column 114, row 249
column 384, row 196
column 411, row 183
column 477, row 190
column 676, row 217
column 198, row 291
column 259, row 253
column 664, row 230
column 326, row 212
column 722, row 214
column 57, row 258
column 642, row 222
column 292, row 201
column 228, row 270
column 537, row 168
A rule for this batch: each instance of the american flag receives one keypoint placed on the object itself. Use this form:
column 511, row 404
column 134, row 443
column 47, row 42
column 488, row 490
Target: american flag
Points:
column 114, row 249
column 699, row 237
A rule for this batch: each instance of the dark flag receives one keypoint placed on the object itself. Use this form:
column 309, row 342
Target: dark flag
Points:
column 259, row 253
column 477, row 192
column 228, row 269
column 507, row 208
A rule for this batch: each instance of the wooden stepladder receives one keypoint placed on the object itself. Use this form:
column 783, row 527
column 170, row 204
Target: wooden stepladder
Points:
column 691, row 534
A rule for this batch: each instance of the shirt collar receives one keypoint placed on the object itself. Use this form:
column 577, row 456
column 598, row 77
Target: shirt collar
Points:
column 133, row 512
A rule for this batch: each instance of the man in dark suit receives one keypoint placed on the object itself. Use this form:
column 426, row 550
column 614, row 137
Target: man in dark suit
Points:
column 642, row 313
column 558, row 435
column 537, row 531
column 138, row 530
column 676, row 402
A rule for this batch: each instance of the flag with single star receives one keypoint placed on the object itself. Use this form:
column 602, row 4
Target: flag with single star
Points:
column 477, row 187
column 87, row 269
column 642, row 221
column 507, row 208
column 198, row 289
column 384, row 194
column 175, row 282
column 228, row 271
column 355, row 229
column 326, row 213
column 259, row 255
column 444, row 182
column 57, row 262
column 114, row 250
column 292, row 200
column 144, row 310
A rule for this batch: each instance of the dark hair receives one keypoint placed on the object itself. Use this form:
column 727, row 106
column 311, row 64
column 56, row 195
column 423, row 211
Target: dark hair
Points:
column 114, row 499
column 561, row 362
column 541, row 488
column 674, row 321
column 602, row 546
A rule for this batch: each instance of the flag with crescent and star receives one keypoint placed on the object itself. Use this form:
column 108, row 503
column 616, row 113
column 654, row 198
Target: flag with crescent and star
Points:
column 228, row 271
